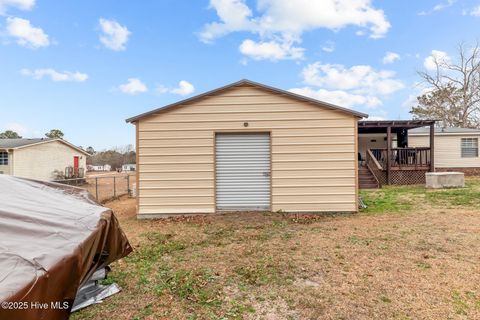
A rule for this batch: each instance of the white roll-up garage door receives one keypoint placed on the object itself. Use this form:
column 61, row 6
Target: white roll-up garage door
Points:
column 242, row 171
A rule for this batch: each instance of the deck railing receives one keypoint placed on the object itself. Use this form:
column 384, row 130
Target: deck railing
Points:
column 375, row 168
column 403, row 158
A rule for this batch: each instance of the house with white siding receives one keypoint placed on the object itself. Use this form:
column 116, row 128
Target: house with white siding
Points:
column 41, row 159
column 456, row 149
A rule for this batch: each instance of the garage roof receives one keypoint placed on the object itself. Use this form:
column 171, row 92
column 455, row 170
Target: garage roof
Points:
column 254, row 84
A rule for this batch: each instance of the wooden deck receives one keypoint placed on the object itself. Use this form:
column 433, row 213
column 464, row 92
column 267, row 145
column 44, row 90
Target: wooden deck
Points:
column 403, row 158
column 399, row 165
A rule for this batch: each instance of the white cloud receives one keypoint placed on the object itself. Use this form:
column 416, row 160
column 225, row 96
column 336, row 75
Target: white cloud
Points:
column 338, row 97
column 443, row 5
column 115, row 36
column 270, row 50
column 26, row 34
column 390, row 57
column 285, row 21
column 361, row 79
column 410, row 101
column 19, row 4
column 416, row 90
column 283, row 16
column 376, row 118
column 438, row 7
column 133, row 86
column 348, row 87
column 474, row 11
column 55, row 75
column 184, row 88
column 234, row 16
column 436, row 57
column 329, row 46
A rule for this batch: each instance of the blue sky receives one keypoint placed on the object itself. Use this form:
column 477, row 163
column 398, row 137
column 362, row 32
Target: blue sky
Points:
column 85, row 66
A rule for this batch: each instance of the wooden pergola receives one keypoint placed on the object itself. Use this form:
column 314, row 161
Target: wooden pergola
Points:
column 423, row 157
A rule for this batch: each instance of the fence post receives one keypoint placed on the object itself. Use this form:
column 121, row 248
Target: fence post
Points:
column 128, row 184
column 114, row 187
column 96, row 188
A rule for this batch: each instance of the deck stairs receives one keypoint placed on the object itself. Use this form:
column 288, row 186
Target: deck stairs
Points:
column 366, row 180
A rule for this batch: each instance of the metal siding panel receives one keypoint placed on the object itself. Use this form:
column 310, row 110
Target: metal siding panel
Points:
column 256, row 124
column 241, row 163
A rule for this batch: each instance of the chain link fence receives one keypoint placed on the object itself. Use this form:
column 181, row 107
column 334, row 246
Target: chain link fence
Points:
column 105, row 187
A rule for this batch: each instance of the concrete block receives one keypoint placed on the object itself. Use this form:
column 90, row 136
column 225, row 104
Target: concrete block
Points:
column 439, row 180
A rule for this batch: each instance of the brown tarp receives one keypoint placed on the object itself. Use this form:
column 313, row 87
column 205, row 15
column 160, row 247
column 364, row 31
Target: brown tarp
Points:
column 52, row 238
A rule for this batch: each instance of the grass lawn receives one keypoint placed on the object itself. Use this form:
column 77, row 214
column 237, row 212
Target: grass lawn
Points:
column 392, row 199
column 412, row 254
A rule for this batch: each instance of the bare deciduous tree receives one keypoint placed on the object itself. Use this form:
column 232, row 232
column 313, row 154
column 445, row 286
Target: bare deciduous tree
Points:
column 453, row 94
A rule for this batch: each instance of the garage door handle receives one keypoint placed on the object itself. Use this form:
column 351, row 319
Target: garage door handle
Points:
column 266, row 174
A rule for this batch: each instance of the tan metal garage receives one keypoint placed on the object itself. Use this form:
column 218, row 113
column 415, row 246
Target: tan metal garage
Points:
column 246, row 146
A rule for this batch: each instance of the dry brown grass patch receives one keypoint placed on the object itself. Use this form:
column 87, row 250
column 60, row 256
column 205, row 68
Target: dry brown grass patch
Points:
column 421, row 264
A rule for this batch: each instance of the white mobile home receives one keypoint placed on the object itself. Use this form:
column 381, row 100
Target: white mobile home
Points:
column 456, row 149
column 128, row 167
column 104, row 167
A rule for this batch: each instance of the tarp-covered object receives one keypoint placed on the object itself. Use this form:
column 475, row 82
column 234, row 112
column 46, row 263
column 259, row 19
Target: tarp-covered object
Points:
column 52, row 239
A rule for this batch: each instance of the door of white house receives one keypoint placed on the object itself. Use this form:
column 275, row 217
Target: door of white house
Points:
column 242, row 171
